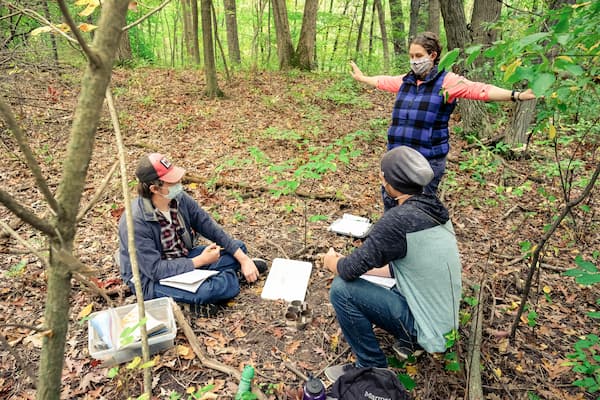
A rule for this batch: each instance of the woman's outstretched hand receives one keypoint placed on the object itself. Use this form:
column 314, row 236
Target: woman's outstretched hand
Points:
column 356, row 72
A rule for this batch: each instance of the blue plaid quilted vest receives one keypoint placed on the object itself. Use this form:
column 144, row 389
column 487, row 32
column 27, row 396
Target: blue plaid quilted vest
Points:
column 420, row 116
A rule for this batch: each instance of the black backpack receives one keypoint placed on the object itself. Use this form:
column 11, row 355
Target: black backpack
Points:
column 369, row 384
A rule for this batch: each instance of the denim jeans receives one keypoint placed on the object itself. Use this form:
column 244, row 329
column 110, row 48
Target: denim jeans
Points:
column 223, row 286
column 358, row 305
column 438, row 165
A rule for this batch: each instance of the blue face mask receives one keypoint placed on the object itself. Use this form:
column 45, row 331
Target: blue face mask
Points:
column 174, row 191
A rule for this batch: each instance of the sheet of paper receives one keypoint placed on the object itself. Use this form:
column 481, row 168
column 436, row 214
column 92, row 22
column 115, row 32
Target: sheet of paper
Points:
column 380, row 280
column 189, row 281
column 287, row 280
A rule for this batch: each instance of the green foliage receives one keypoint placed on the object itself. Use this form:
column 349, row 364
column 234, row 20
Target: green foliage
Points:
column 405, row 379
column 586, row 361
column 344, row 92
column 585, row 272
column 17, row 269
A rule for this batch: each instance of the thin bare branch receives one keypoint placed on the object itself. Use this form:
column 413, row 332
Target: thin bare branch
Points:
column 29, row 158
column 39, row 18
column 542, row 242
column 137, row 282
column 144, row 17
column 24, row 214
column 91, row 285
column 25, row 243
column 99, row 191
column 92, row 56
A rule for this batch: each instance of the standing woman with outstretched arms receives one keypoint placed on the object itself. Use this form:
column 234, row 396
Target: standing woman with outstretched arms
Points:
column 425, row 100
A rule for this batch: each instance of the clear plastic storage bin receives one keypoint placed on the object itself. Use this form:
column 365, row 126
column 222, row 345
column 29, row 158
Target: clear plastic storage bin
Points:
column 110, row 323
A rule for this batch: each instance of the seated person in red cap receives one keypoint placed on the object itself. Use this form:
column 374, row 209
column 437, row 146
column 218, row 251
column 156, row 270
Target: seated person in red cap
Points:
column 413, row 242
column 167, row 223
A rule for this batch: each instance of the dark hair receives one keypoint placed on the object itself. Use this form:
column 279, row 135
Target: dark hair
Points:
column 143, row 188
column 430, row 43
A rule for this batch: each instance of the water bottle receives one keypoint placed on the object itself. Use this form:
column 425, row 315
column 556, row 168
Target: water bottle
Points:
column 245, row 381
column 313, row 389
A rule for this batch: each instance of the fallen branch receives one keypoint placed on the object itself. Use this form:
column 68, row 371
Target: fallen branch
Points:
column 204, row 359
column 189, row 177
column 474, row 389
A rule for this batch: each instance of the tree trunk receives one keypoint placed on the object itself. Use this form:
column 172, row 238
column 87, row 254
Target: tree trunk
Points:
column 52, row 37
column 384, row 39
column 415, row 6
column 433, row 19
column 474, row 118
column 398, row 31
column 208, row 44
column 337, row 36
column 361, row 26
column 285, row 49
column 520, row 122
column 484, row 12
column 186, row 11
column 305, row 52
column 195, row 38
column 124, row 50
column 233, row 44
column 68, row 195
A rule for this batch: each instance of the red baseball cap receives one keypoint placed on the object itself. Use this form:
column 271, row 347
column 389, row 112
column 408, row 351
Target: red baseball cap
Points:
column 156, row 166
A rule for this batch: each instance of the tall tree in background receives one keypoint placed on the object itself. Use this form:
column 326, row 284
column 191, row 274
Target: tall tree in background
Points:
column 304, row 55
column 285, row 48
column 124, row 50
column 384, row 40
column 361, row 27
column 233, row 44
column 398, row 33
column 208, row 44
column 484, row 12
column 190, row 29
column 305, row 51
column 473, row 114
column 413, row 25
column 433, row 20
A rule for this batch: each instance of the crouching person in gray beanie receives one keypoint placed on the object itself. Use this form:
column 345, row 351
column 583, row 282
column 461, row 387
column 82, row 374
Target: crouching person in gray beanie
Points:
column 414, row 243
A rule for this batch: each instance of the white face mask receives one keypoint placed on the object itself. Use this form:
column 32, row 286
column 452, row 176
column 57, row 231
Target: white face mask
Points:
column 421, row 66
column 173, row 191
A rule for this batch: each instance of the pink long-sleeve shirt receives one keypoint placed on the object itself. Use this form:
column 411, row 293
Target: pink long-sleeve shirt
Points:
column 457, row 86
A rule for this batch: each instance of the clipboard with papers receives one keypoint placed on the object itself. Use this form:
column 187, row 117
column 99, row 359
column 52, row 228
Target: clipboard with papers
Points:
column 351, row 225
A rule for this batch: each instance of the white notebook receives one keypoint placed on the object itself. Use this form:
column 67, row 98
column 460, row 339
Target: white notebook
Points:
column 386, row 282
column 189, row 281
column 287, row 280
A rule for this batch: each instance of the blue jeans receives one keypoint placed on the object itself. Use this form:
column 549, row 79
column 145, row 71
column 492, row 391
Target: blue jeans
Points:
column 438, row 165
column 220, row 287
column 358, row 305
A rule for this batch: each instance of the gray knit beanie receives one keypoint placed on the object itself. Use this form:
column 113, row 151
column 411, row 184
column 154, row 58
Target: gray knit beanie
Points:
column 406, row 170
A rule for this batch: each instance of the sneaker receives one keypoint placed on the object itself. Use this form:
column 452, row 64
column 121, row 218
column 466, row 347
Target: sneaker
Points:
column 403, row 352
column 208, row 310
column 261, row 265
column 335, row 371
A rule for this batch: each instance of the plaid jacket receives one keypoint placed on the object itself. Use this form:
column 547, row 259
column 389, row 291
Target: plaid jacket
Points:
column 420, row 116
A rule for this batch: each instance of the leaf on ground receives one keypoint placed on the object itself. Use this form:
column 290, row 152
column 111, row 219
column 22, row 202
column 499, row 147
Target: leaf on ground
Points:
column 292, row 347
column 185, row 352
column 85, row 311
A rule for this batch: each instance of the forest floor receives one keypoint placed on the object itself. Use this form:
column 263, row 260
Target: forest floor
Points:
column 284, row 120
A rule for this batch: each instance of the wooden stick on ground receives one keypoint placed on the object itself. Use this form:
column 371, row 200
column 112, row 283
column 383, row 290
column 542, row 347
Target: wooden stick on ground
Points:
column 475, row 391
column 204, row 359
